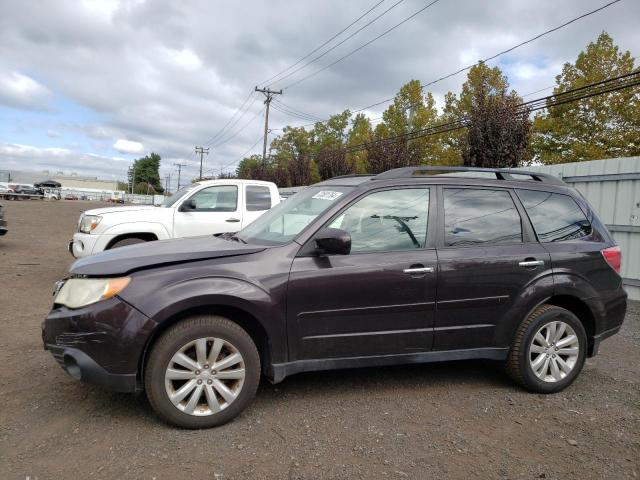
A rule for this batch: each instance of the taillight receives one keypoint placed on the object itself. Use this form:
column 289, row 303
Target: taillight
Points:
column 613, row 256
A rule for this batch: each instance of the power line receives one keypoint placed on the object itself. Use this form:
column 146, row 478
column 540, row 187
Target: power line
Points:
column 492, row 57
column 240, row 130
column 389, row 30
column 243, row 108
column 318, row 57
column 324, row 44
column 609, row 85
column 295, row 110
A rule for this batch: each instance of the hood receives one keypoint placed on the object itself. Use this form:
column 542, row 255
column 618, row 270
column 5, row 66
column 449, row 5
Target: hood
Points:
column 123, row 260
column 127, row 209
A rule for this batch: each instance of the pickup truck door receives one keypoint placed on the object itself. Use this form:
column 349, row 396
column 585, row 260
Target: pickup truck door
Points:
column 258, row 199
column 218, row 209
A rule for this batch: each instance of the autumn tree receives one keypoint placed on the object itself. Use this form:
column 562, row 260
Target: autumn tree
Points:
column 328, row 141
column 602, row 126
column 498, row 131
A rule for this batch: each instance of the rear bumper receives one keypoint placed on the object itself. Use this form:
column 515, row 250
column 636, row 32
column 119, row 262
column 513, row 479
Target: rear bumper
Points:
column 83, row 368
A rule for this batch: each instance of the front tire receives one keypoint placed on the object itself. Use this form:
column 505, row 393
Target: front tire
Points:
column 202, row 372
column 548, row 351
column 127, row 241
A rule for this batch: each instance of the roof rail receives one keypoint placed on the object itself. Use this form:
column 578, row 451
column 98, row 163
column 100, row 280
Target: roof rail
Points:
column 500, row 173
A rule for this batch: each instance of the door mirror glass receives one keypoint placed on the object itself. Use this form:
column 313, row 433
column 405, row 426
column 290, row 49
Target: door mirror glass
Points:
column 333, row 241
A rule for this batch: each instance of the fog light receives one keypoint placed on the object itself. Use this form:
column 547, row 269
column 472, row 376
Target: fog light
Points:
column 72, row 368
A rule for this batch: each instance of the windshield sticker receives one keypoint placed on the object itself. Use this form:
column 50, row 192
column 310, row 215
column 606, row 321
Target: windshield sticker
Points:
column 327, row 195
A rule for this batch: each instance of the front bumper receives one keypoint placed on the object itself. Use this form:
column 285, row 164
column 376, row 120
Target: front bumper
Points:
column 85, row 244
column 83, row 368
column 100, row 344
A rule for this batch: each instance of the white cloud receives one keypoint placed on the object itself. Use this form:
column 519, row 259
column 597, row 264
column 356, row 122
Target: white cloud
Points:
column 128, row 146
column 21, row 91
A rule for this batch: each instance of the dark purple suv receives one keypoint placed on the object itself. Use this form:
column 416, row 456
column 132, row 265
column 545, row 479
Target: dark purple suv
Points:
column 414, row 265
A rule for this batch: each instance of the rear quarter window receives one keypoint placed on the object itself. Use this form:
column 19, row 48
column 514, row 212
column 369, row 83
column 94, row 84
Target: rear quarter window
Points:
column 555, row 217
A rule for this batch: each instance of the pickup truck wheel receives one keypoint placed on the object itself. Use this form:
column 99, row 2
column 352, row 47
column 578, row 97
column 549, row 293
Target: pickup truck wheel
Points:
column 549, row 350
column 127, row 241
column 202, row 372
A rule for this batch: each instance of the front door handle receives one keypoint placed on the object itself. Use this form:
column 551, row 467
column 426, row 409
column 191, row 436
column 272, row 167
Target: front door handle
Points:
column 531, row 263
column 233, row 220
column 415, row 270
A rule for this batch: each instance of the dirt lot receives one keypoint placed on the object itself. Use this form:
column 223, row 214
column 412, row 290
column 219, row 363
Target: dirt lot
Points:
column 455, row 420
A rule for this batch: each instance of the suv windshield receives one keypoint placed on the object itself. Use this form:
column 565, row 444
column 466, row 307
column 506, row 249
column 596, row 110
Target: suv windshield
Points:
column 177, row 196
column 285, row 221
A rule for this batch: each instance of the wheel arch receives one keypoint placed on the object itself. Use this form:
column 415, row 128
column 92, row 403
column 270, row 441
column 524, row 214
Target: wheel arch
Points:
column 146, row 236
column 581, row 310
column 239, row 316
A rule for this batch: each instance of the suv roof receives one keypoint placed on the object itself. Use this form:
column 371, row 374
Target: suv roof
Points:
column 428, row 172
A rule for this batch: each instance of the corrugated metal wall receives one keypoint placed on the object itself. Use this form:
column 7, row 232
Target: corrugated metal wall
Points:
column 612, row 187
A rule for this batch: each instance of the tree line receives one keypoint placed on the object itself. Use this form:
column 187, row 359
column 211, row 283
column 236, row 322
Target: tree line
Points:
column 497, row 133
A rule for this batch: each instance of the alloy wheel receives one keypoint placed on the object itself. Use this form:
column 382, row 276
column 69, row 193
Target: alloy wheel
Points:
column 554, row 351
column 205, row 376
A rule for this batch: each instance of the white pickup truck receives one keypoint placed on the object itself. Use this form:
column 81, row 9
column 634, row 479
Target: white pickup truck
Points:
column 202, row 208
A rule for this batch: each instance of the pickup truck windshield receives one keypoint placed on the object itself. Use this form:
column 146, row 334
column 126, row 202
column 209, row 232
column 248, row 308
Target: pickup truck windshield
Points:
column 177, row 196
column 285, row 221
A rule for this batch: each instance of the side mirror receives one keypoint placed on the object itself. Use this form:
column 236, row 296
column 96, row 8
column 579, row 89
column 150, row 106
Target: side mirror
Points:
column 188, row 205
column 333, row 241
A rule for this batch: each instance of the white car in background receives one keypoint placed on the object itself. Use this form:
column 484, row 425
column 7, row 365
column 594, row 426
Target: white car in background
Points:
column 202, row 208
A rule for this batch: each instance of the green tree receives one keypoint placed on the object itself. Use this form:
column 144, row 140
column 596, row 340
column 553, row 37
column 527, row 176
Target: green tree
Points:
column 602, row 126
column 360, row 133
column 146, row 171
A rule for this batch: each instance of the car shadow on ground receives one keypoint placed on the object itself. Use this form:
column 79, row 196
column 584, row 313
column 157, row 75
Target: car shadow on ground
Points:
column 339, row 384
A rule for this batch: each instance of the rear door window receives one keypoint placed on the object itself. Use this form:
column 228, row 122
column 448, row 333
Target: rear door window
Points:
column 258, row 198
column 480, row 217
column 555, row 217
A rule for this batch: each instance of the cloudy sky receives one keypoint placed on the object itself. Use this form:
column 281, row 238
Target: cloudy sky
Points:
column 87, row 86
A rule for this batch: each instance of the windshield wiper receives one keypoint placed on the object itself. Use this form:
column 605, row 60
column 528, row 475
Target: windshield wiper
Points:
column 236, row 238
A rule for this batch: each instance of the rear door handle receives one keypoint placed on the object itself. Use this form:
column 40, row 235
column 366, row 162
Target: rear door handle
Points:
column 413, row 271
column 531, row 263
column 233, row 220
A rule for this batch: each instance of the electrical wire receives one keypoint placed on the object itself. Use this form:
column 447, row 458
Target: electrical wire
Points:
column 324, row 44
column 217, row 135
column 242, row 129
column 318, row 57
column 389, row 30
column 492, row 57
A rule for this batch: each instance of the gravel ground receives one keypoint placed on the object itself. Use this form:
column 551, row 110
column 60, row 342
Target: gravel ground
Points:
column 453, row 420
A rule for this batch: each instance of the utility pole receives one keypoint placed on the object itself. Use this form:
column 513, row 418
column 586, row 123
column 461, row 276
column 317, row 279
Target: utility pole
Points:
column 167, row 183
column 179, row 165
column 133, row 177
column 269, row 94
column 201, row 151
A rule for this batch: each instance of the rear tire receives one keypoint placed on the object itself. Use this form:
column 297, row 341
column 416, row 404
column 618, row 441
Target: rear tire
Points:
column 202, row 389
column 548, row 351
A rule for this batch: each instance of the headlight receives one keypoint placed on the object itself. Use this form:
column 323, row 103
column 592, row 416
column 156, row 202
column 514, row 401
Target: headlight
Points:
column 88, row 223
column 79, row 292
